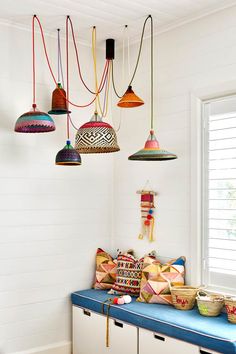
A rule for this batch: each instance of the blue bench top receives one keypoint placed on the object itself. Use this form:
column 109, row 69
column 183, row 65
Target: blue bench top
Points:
column 215, row 333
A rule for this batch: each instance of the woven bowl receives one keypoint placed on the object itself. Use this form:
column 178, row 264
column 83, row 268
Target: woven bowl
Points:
column 184, row 297
column 230, row 304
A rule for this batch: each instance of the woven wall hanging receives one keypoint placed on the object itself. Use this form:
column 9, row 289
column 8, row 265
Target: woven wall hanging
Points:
column 147, row 205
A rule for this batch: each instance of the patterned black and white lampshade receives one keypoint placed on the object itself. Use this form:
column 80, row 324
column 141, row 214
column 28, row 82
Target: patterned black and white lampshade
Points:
column 96, row 136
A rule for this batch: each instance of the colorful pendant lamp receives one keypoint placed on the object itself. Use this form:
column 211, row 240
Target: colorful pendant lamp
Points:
column 96, row 136
column 68, row 156
column 130, row 99
column 34, row 121
column 152, row 150
column 59, row 104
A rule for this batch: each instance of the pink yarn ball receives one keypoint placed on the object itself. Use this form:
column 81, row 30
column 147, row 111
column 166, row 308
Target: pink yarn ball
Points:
column 120, row 301
column 127, row 299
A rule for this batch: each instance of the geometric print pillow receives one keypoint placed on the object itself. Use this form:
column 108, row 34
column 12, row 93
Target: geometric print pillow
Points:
column 156, row 277
column 129, row 272
column 106, row 268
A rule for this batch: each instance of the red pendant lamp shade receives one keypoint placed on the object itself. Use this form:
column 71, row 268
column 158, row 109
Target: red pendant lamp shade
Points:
column 59, row 104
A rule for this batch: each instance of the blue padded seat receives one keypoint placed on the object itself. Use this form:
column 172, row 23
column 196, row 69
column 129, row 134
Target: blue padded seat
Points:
column 215, row 333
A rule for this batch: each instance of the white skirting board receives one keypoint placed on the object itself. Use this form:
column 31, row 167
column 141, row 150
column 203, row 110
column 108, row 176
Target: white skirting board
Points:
column 57, row 348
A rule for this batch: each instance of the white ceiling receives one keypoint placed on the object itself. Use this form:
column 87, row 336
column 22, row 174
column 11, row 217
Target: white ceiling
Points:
column 109, row 16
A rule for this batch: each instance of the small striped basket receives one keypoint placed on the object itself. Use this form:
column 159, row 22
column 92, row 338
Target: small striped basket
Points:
column 230, row 304
column 209, row 305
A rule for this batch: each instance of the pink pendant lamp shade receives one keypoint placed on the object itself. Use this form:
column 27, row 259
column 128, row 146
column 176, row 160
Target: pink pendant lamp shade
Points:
column 152, row 150
column 34, row 121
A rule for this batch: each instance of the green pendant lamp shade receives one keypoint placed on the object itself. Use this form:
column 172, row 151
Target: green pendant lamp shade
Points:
column 34, row 121
column 68, row 156
column 96, row 136
column 152, row 151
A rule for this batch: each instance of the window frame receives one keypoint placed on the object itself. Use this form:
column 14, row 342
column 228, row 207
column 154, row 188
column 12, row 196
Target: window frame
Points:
column 199, row 103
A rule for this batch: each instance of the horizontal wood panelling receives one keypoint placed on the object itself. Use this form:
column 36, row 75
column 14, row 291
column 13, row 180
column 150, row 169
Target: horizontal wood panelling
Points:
column 52, row 218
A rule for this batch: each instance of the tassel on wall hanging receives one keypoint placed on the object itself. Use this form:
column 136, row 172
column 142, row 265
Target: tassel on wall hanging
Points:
column 147, row 205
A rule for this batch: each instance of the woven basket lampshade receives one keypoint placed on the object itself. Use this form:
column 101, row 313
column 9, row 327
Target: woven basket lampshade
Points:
column 59, row 104
column 130, row 99
column 34, row 121
column 96, row 136
column 152, row 151
column 68, row 156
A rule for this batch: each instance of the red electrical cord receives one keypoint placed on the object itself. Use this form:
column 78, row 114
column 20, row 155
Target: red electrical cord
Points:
column 77, row 57
column 67, row 80
column 104, row 75
column 33, row 64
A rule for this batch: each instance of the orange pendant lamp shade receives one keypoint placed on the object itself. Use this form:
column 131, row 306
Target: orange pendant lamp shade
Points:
column 130, row 99
column 59, row 104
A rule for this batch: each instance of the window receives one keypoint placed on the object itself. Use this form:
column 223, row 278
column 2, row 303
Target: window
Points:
column 219, row 195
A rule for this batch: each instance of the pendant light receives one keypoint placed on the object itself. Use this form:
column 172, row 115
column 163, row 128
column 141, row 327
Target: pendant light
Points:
column 59, row 104
column 152, row 150
column 130, row 99
column 34, row 121
column 68, row 156
column 97, row 136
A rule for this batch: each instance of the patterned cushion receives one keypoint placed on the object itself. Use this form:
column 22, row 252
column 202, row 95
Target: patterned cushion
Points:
column 129, row 272
column 106, row 268
column 154, row 286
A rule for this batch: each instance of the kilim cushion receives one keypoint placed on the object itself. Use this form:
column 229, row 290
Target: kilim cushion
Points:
column 106, row 268
column 156, row 277
column 129, row 272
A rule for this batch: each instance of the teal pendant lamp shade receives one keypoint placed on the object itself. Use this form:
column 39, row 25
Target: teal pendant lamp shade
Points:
column 152, row 150
column 68, row 156
column 34, row 121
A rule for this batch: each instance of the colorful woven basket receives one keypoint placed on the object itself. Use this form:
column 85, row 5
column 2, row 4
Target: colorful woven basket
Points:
column 183, row 297
column 96, row 136
column 209, row 305
column 34, row 122
column 230, row 304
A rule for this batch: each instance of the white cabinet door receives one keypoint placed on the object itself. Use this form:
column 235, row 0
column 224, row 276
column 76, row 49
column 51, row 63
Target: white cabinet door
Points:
column 158, row 343
column 123, row 338
column 89, row 334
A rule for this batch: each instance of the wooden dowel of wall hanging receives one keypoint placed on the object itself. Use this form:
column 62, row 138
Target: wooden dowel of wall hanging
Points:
column 147, row 192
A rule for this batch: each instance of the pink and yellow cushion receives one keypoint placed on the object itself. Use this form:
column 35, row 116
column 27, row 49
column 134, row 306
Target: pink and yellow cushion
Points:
column 106, row 268
column 156, row 277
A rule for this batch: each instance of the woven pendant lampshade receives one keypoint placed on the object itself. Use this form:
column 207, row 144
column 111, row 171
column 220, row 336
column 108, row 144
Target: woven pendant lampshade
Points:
column 96, row 136
column 68, row 156
column 59, row 105
column 34, row 121
column 152, row 151
column 130, row 99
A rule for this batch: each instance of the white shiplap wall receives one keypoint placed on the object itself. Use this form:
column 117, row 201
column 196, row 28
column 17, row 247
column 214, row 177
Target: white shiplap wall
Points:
column 52, row 218
column 193, row 57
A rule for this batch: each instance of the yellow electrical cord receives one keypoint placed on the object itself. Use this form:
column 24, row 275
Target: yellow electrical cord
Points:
column 94, row 40
column 97, row 101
